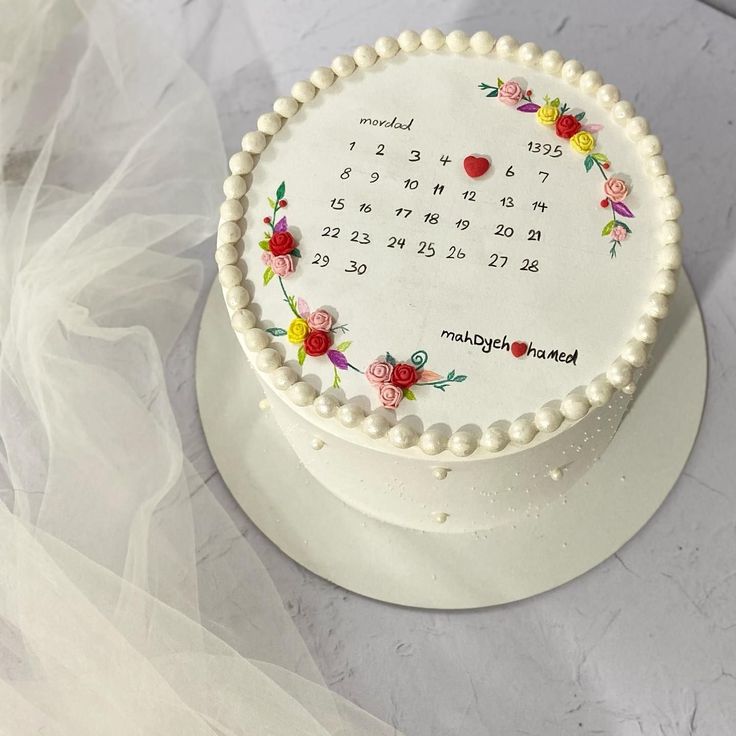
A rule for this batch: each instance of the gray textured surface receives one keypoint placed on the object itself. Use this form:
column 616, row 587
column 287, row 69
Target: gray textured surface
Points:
column 646, row 642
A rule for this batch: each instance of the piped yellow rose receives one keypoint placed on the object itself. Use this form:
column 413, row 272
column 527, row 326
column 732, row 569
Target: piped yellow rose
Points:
column 298, row 330
column 583, row 142
column 548, row 114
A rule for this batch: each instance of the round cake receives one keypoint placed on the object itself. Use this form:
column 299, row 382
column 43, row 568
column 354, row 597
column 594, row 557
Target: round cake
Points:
column 447, row 258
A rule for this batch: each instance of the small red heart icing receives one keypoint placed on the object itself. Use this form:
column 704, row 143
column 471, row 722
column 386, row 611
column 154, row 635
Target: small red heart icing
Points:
column 518, row 349
column 476, row 166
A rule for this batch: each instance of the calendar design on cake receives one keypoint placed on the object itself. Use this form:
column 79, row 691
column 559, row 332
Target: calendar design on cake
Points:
column 501, row 223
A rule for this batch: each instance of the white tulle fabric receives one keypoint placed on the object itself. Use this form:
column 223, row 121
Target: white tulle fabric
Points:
column 114, row 556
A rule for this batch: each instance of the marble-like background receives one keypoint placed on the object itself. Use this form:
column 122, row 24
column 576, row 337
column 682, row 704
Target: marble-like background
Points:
column 646, row 642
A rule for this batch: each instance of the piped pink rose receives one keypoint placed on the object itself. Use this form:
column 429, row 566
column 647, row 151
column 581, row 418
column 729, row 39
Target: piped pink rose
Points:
column 615, row 189
column 282, row 265
column 379, row 372
column 619, row 233
column 390, row 395
column 320, row 320
column 510, row 92
column 266, row 257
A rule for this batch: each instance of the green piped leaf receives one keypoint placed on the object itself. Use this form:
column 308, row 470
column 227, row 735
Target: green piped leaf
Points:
column 459, row 378
column 409, row 394
column 493, row 93
column 609, row 226
column 499, row 82
column 281, row 190
column 555, row 102
column 390, row 359
column 276, row 331
column 267, row 275
column 343, row 346
column 600, row 157
column 264, row 245
column 296, row 253
column 271, row 203
column 301, row 355
column 624, row 226
column 589, row 162
column 580, row 116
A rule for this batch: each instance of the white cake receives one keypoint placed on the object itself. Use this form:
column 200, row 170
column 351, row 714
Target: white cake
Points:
column 446, row 259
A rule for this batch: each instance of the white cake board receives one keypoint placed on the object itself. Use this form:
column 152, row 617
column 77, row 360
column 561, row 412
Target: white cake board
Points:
column 441, row 570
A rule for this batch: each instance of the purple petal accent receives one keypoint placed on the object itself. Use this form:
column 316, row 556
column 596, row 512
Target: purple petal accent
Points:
column 338, row 359
column 280, row 226
column 302, row 307
column 592, row 127
column 528, row 107
column 621, row 209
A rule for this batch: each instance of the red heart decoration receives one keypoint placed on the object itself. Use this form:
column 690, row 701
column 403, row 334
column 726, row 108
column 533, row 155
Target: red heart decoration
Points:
column 476, row 166
column 518, row 349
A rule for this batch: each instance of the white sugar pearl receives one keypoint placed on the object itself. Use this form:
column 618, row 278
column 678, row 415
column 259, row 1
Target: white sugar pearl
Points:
column 670, row 232
column 254, row 142
column 230, row 276
column 322, row 77
column 303, row 91
column 440, row 474
column 269, row 123
column 343, row 65
column 552, row 61
column 284, row 377
column 529, row 54
column 664, row 185
column 599, row 391
column 432, row 442
column 242, row 320
column 494, row 439
column 402, row 436
column 226, row 255
column 234, row 187
column 646, row 330
column 386, row 47
column 433, row 39
column 590, row 81
column 232, row 210
column 622, row 111
column 619, row 373
column 574, row 406
column 665, row 282
column 462, row 443
column 317, row 443
column 375, row 426
column 365, row 56
column 325, row 405
column 506, row 46
column 655, row 166
column 658, row 305
column 301, row 393
column 256, row 339
column 237, row 297
column 629, row 388
column 649, row 145
column 286, row 107
column 241, row 163
column 228, row 232
column 637, row 128
column 670, row 256
column 482, row 42
column 457, row 41
column 548, row 419
column 268, row 360
column 608, row 95
column 635, row 353
column 522, row 431
column 409, row 41
column 556, row 474
column 350, row 415
column 571, row 71
column 671, row 208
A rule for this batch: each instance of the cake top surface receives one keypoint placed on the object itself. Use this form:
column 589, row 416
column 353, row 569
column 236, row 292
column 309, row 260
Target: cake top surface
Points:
column 457, row 237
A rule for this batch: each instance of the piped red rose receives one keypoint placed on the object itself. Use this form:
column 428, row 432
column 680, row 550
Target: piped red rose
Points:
column 566, row 126
column 404, row 375
column 317, row 343
column 281, row 244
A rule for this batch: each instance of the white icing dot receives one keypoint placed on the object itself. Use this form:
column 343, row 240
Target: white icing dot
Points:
column 402, row 436
column 242, row 320
column 284, row 377
column 241, row 163
column 646, row 330
column 317, row 443
column 649, row 145
column 494, row 439
column 325, row 405
column 254, row 142
column 547, row 419
column 671, row 208
column 635, row 353
column 669, row 256
column 482, row 42
column 574, row 406
column 269, row 123
column 387, row 46
column 234, row 187
column 571, row 71
column 230, row 276
column 350, row 415
column 375, row 426
column 665, row 282
column 264, row 405
column 555, row 473
column 440, row 473
column 432, row 442
column 522, row 431
column 226, row 255
column 622, row 111
column 365, row 56
column 590, row 81
column 343, row 65
column 457, row 41
column 462, row 443
column 637, row 128
column 303, row 91
column 529, row 53
column 301, row 393
column 655, row 166
column 433, row 39
column 322, row 77
column 670, row 232
column 629, row 388
column 286, row 107
column 658, row 306
column 268, row 360
column 599, row 391
column 506, row 46
column 552, row 61
column 440, row 517
column 231, row 209
column 608, row 95
column 619, row 373
column 228, row 232
column 237, row 297
column 256, row 339
column 409, row 41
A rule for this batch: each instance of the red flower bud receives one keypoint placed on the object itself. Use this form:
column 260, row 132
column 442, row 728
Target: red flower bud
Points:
column 604, row 203
column 283, row 203
column 266, row 220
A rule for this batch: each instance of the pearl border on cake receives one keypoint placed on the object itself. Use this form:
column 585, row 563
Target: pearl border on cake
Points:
column 621, row 374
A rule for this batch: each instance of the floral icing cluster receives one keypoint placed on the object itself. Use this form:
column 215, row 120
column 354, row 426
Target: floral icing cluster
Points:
column 571, row 126
column 278, row 245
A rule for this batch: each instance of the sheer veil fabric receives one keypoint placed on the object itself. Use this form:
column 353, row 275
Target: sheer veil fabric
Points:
column 113, row 552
